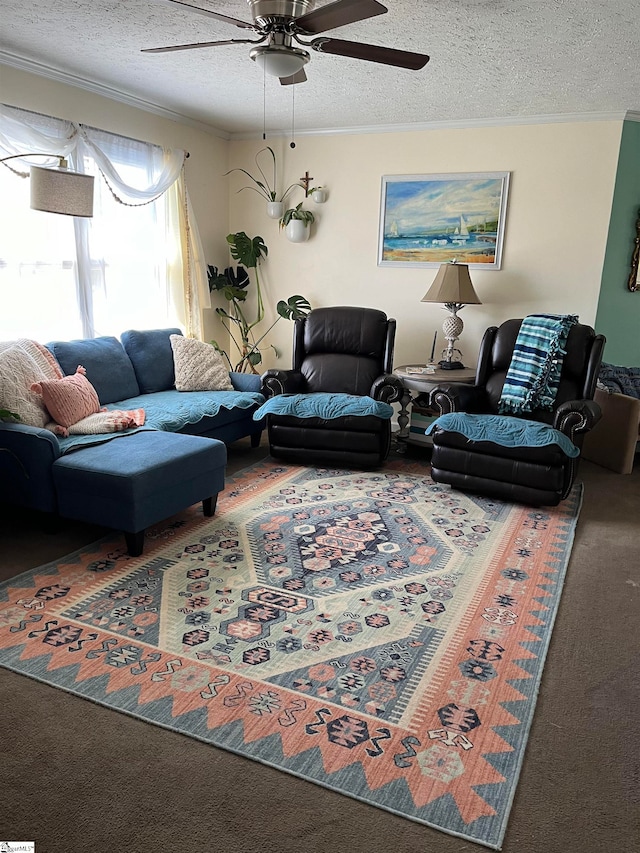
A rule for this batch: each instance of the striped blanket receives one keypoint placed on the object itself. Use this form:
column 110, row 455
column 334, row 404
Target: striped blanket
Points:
column 534, row 373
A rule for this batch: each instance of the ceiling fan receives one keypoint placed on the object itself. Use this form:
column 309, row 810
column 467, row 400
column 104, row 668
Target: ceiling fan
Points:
column 280, row 23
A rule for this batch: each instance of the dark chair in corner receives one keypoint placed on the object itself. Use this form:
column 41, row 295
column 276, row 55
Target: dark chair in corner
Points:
column 338, row 350
column 540, row 475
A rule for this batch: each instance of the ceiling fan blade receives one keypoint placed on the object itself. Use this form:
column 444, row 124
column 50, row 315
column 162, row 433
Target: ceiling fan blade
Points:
column 371, row 53
column 338, row 14
column 235, row 21
column 196, row 44
column 298, row 77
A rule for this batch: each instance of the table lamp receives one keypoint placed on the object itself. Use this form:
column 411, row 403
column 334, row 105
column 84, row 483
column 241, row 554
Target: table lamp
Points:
column 452, row 286
column 58, row 190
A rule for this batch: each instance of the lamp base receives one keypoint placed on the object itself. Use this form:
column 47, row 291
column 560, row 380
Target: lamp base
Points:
column 451, row 365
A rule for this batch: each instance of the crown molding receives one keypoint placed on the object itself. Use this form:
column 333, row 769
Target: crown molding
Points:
column 58, row 76
column 460, row 124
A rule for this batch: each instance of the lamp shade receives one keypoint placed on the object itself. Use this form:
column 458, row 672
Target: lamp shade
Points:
column 60, row 191
column 452, row 284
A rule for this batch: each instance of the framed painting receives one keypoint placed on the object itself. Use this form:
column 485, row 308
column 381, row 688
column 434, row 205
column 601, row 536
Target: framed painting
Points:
column 427, row 220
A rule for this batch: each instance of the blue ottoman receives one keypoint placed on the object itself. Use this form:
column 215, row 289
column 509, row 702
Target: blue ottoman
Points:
column 137, row 480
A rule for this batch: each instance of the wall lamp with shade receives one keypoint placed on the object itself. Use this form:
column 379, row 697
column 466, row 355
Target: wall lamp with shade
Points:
column 452, row 286
column 58, row 190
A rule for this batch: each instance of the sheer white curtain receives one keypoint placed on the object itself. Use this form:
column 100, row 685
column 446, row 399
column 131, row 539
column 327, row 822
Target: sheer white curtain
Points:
column 137, row 263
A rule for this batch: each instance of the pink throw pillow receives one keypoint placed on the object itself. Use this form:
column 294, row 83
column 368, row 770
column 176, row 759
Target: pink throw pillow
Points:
column 70, row 399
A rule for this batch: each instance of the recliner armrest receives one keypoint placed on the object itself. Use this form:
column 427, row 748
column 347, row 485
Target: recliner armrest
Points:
column 387, row 388
column 276, row 382
column 576, row 416
column 458, row 397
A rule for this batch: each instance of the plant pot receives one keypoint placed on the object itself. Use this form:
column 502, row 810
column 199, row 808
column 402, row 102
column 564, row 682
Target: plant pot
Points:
column 319, row 196
column 275, row 209
column 297, row 231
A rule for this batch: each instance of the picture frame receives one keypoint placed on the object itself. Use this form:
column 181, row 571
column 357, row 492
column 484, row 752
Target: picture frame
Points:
column 427, row 220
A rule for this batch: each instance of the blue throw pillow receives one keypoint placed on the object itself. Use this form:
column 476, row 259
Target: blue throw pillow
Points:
column 108, row 367
column 152, row 358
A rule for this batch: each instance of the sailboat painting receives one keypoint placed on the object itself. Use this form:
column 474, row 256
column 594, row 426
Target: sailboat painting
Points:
column 426, row 220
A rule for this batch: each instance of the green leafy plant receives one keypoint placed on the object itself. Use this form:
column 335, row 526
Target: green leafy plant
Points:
column 233, row 286
column 265, row 187
column 5, row 414
column 297, row 212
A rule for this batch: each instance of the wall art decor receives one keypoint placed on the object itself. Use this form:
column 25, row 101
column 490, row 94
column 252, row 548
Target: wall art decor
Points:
column 426, row 220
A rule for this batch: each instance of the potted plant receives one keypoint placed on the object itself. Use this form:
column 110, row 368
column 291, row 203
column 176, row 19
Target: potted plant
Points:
column 295, row 222
column 233, row 285
column 318, row 194
column 265, row 187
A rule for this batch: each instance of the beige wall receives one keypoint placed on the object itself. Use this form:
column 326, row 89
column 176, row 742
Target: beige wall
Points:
column 562, row 180
column 208, row 188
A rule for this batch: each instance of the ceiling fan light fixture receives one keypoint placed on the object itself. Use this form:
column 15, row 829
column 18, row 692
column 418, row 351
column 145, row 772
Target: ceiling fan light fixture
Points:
column 280, row 60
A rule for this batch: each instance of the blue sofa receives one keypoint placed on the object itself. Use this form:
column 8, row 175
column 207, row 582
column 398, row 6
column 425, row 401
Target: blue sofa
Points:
column 131, row 373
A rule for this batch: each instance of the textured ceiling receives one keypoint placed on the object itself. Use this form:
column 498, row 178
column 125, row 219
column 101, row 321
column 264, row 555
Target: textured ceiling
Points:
column 490, row 59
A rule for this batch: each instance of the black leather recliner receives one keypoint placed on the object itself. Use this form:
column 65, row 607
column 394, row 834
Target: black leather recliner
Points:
column 538, row 476
column 346, row 350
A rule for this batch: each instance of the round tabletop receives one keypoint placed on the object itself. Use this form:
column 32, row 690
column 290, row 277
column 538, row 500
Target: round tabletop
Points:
column 420, row 376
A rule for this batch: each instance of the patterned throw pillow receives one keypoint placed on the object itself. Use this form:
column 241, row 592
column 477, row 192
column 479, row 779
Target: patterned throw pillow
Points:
column 199, row 366
column 23, row 362
column 70, row 399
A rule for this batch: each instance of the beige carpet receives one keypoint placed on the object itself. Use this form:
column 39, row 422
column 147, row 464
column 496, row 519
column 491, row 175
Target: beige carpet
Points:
column 78, row 777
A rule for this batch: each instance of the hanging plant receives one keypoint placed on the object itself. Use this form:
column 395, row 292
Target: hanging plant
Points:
column 265, row 187
column 297, row 212
column 318, row 194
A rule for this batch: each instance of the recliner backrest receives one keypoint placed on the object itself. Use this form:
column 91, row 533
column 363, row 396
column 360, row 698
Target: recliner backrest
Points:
column 580, row 365
column 343, row 349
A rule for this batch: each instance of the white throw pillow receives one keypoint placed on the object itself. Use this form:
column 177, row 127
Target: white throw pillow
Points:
column 23, row 362
column 198, row 366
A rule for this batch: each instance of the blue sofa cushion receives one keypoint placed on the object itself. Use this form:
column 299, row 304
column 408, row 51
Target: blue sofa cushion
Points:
column 152, row 358
column 138, row 480
column 173, row 410
column 108, row 367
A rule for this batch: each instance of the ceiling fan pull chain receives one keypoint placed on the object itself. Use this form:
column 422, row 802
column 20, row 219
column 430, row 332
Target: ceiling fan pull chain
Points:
column 292, row 144
column 264, row 102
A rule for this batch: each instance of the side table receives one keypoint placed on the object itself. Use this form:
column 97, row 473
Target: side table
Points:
column 417, row 384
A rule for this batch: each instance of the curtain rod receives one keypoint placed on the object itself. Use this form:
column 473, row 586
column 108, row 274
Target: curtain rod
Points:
column 89, row 127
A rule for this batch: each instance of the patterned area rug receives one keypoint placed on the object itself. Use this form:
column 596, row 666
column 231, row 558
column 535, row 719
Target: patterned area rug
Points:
column 374, row 633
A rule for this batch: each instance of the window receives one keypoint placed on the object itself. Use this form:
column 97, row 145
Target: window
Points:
column 65, row 277
column 38, row 270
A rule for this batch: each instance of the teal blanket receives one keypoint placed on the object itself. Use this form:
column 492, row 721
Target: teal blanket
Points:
column 534, row 373
column 327, row 406
column 170, row 411
column 504, row 430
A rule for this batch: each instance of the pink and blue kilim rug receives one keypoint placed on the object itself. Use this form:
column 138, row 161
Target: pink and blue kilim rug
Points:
column 374, row 633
